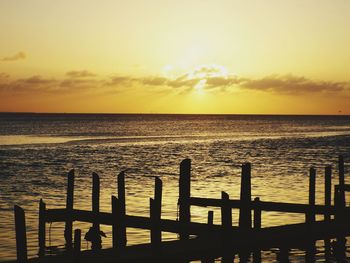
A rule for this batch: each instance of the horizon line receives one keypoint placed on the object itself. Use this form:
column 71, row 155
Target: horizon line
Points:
column 152, row 113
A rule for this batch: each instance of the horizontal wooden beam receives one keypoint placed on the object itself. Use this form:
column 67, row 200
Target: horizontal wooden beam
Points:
column 167, row 225
column 269, row 206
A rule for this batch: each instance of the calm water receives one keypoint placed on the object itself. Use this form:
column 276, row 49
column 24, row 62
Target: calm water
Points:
column 37, row 151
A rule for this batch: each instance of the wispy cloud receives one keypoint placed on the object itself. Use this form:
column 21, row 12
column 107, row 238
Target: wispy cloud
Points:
column 18, row 56
column 210, row 79
column 80, row 74
column 293, row 85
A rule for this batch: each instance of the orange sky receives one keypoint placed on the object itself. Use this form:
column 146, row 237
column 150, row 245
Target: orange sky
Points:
column 161, row 56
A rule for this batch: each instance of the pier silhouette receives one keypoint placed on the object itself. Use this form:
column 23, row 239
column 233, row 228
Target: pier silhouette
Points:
column 197, row 241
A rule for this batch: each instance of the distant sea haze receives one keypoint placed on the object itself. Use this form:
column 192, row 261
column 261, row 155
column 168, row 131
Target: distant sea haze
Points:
column 37, row 151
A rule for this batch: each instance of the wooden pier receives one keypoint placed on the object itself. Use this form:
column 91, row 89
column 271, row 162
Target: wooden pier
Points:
column 197, row 241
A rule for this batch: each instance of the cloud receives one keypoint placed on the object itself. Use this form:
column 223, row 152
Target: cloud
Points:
column 293, row 85
column 18, row 56
column 210, row 79
column 80, row 74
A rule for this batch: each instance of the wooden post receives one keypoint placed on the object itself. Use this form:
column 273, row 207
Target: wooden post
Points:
column 208, row 259
column 68, row 230
column 21, row 235
column 341, row 181
column 310, row 216
column 340, row 251
column 41, row 228
column 77, row 244
column 184, row 196
column 210, row 221
column 96, row 243
column 155, row 213
column 121, row 210
column 327, row 203
column 257, row 227
column 283, row 255
column 245, row 215
column 226, row 223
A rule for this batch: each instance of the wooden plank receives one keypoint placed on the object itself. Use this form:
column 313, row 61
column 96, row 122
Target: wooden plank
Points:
column 21, row 235
column 269, row 206
column 41, row 228
column 167, row 225
column 184, row 196
column 68, row 229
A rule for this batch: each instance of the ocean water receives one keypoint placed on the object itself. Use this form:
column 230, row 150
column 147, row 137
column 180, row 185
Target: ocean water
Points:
column 38, row 150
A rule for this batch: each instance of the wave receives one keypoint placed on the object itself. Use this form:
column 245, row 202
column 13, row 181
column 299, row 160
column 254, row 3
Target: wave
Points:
column 18, row 140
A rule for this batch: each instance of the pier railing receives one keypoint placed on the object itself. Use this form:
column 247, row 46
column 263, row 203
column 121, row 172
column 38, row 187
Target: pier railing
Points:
column 197, row 241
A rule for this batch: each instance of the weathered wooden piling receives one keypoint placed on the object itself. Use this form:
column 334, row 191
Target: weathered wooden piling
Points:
column 184, row 197
column 95, row 242
column 21, row 235
column 311, row 216
column 283, row 255
column 210, row 220
column 327, row 203
column 121, row 209
column 68, row 230
column 257, row 227
column 41, row 228
column 155, row 213
column 226, row 224
column 341, row 181
column 245, row 214
column 77, row 243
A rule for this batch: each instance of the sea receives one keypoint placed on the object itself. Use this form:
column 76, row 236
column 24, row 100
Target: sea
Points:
column 38, row 150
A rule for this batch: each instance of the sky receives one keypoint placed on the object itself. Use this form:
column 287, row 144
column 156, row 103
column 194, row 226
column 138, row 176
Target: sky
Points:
column 162, row 56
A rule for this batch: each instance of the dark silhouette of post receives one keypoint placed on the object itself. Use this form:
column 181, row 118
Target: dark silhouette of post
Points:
column 339, row 246
column 116, row 223
column 327, row 203
column 340, row 206
column 121, row 210
column 310, row 216
column 341, row 181
column 77, row 244
column 245, row 214
column 96, row 241
column 226, row 223
column 184, row 197
column 257, row 227
column 210, row 222
column 283, row 255
column 21, row 235
column 155, row 213
column 68, row 230
column 41, row 228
